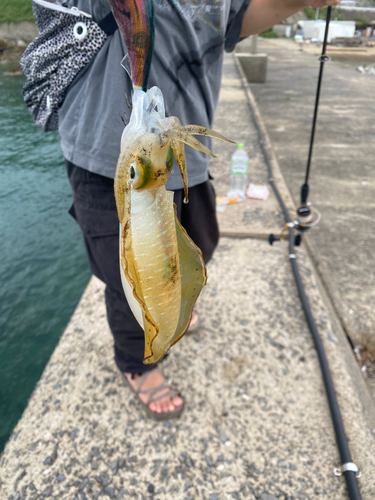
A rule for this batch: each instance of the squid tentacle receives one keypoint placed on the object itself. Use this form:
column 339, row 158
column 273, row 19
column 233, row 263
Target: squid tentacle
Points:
column 197, row 130
column 181, row 135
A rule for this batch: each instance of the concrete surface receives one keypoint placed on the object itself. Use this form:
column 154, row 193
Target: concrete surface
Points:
column 362, row 54
column 254, row 66
column 257, row 423
column 25, row 31
column 248, row 46
column 342, row 178
column 250, row 218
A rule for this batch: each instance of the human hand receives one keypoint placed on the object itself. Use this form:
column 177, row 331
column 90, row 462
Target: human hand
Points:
column 322, row 3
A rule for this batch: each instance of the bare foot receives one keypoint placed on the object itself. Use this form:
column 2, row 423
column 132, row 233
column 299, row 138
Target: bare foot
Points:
column 155, row 379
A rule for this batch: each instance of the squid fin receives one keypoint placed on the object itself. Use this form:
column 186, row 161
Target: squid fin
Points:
column 193, row 277
column 128, row 266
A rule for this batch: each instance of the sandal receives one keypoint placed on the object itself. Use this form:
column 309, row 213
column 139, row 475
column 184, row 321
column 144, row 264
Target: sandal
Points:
column 166, row 390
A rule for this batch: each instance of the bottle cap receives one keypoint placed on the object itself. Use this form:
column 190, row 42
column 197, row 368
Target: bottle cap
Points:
column 240, row 145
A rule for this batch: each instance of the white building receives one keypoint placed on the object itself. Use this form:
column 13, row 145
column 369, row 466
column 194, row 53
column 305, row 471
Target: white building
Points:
column 337, row 29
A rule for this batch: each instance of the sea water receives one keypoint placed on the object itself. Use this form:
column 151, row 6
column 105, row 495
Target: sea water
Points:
column 43, row 267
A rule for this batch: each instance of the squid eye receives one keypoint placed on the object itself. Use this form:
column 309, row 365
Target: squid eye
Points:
column 132, row 172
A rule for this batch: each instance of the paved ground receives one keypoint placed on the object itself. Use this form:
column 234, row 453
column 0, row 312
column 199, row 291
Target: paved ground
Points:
column 342, row 180
column 257, row 424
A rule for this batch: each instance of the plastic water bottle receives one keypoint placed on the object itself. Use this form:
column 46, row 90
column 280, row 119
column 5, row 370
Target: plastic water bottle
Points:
column 238, row 178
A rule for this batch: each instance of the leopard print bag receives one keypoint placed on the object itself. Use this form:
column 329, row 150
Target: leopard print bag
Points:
column 68, row 39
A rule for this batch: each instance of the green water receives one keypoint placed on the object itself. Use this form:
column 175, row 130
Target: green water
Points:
column 43, row 268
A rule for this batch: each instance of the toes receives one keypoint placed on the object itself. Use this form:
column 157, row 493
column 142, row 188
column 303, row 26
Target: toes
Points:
column 166, row 405
column 152, row 406
column 177, row 401
column 159, row 407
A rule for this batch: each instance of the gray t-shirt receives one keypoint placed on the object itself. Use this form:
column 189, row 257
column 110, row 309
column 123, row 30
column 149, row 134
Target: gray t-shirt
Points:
column 190, row 37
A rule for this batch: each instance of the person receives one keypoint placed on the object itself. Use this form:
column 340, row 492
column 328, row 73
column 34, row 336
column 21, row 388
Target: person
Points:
column 190, row 39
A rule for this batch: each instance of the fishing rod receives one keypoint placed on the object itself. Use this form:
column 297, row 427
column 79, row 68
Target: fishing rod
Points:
column 322, row 59
column 305, row 216
column 348, row 469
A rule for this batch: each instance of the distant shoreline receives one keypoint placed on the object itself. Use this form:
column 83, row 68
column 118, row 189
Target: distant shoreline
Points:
column 14, row 38
column 11, row 55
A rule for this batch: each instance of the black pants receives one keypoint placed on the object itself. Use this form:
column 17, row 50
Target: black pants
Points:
column 94, row 209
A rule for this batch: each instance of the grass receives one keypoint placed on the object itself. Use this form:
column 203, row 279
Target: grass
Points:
column 269, row 34
column 310, row 12
column 15, row 11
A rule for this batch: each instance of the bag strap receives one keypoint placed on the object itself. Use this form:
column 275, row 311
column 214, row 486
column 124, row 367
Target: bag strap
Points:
column 108, row 24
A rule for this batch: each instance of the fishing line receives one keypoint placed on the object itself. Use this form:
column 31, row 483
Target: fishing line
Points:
column 348, row 469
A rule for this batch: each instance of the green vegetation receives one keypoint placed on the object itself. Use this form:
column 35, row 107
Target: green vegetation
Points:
column 311, row 13
column 15, row 11
column 360, row 22
column 269, row 34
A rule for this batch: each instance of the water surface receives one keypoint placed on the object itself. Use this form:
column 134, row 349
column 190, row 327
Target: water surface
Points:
column 43, row 268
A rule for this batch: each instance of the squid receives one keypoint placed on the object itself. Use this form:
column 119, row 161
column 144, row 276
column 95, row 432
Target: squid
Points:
column 162, row 270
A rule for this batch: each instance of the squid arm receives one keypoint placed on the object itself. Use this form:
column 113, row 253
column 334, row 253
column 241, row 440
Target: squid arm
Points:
column 180, row 135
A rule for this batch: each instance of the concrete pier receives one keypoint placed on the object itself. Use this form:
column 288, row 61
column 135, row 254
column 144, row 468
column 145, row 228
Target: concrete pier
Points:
column 257, row 423
column 254, row 64
column 342, row 175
